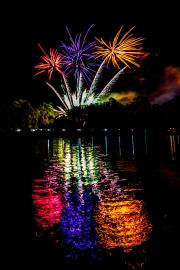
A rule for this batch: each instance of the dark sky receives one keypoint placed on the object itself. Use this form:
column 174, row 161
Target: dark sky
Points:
column 45, row 21
column 158, row 23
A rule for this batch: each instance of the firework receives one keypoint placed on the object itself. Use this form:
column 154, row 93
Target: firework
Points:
column 68, row 102
column 126, row 49
column 78, row 56
column 50, row 62
column 108, row 86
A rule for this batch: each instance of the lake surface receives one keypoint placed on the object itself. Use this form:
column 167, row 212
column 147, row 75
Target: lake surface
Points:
column 98, row 201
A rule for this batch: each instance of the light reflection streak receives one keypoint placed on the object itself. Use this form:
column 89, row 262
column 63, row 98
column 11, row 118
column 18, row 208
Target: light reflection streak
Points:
column 172, row 147
column 48, row 143
column 132, row 141
column 145, row 140
column 106, row 148
column 119, row 141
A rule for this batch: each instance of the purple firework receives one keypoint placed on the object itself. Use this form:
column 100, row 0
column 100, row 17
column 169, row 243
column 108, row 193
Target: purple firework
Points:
column 78, row 56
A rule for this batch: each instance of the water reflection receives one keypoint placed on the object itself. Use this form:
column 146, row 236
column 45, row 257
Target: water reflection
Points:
column 122, row 223
column 173, row 143
column 173, row 146
column 77, row 225
column 91, row 204
column 47, row 199
column 126, row 144
column 106, row 145
column 85, row 163
column 119, row 145
column 145, row 141
column 132, row 141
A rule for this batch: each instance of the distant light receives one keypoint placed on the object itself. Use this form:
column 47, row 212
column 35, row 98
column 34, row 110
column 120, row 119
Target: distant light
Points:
column 63, row 129
column 105, row 129
column 78, row 129
column 18, row 130
column 119, row 129
column 33, row 129
column 48, row 129
column 171, row 129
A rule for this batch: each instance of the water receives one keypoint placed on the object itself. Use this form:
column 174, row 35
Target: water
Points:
column 107, row 200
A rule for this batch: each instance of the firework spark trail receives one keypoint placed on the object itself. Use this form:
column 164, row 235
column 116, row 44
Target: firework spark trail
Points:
column 80, row 85
column 58, row 95
column 97, row 77
column 109, row 85
column 76, row 100
column 67, row 87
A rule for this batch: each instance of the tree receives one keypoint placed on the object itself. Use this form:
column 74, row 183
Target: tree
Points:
column 47, row 115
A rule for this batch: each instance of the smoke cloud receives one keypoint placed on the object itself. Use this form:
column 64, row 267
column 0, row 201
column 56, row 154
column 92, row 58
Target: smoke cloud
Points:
column 169, row 86
column 123, row 97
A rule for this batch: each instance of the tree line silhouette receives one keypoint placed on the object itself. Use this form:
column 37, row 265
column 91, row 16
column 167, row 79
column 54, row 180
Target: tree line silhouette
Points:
column 111, row 114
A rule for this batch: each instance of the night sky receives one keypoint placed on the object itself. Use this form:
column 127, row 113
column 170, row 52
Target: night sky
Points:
column 158, row 23
column 45, row 23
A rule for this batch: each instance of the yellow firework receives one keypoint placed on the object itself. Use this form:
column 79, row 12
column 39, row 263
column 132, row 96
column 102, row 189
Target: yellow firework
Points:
column 126, row 49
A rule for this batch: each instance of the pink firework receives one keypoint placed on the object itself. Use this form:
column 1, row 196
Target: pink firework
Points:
column 50, row 62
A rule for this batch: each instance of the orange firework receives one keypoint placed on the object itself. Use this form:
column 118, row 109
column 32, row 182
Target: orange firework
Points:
column 50, row 62
column 126, row 49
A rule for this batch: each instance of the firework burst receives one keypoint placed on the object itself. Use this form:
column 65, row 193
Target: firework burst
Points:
column 78, row 56
column 50, row 62
column 125, row 49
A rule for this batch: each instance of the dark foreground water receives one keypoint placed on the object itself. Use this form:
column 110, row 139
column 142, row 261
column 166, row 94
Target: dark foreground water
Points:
column 93, row 202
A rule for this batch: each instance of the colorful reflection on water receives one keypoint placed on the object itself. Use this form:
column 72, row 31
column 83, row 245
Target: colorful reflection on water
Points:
column 87, row 204
column 122, row 223
column 77, row 224
column 47, row 199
